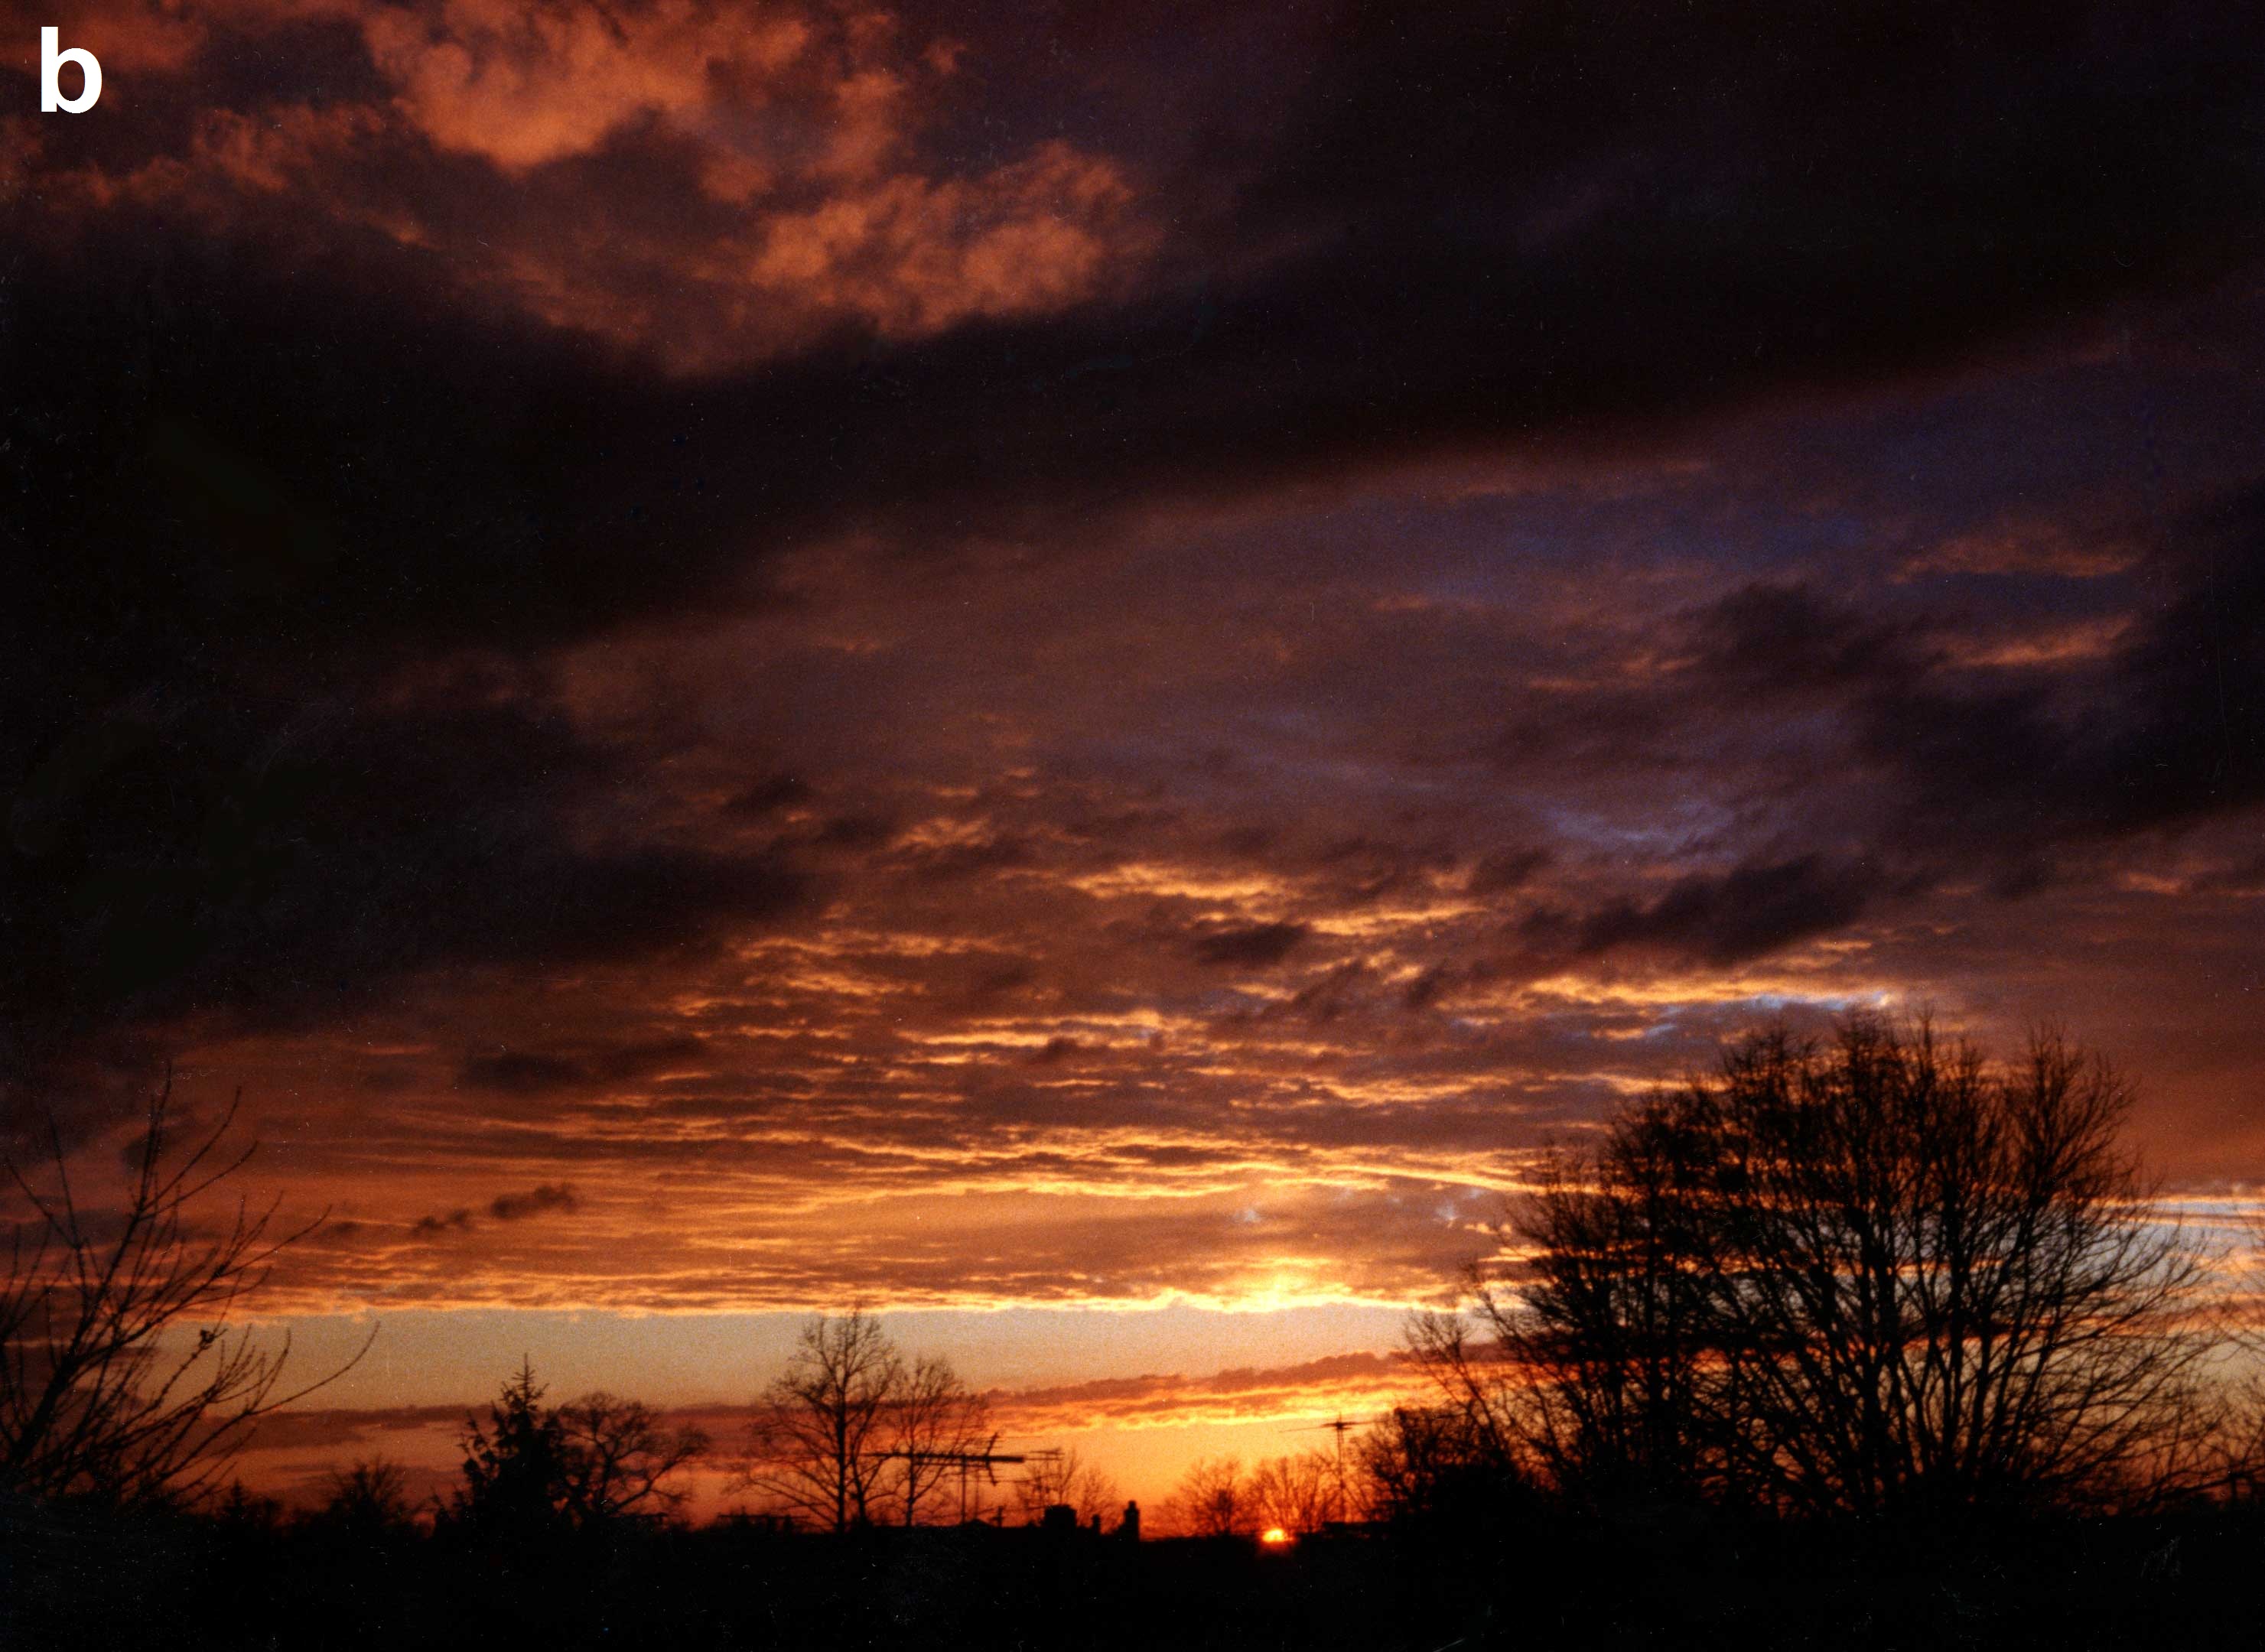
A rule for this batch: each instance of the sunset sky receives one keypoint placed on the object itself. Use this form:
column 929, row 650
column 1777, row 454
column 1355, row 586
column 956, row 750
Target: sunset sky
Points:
column 1074, row 672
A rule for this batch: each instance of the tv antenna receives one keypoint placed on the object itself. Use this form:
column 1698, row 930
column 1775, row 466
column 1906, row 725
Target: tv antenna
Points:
column 982, row 1464
column 1339, row 1425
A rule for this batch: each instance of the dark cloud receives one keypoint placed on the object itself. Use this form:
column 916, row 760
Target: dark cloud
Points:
column 1996, row 770
column 542, row 1200
column 768, row 796
column 518, row 1072
column 642, row 1058
column 2167, row 730
column 189, row 851
column 261, row 463
column 1252, row 946
column 1502, row 870
column 855, row 831
column 1782, row 642
column 1717, row 918
column 545, row 1199
column 1528, row 521
column 544, row 1073
column 337, row 1429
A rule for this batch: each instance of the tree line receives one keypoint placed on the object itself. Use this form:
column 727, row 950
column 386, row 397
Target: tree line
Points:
column 1875, row 1275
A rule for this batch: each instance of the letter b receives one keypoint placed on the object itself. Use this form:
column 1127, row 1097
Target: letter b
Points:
column 52, row 59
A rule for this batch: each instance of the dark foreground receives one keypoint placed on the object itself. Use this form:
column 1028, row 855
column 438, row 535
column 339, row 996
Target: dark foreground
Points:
column 71, row 1580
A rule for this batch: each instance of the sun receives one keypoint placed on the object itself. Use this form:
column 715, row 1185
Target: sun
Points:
column 1274, row 1537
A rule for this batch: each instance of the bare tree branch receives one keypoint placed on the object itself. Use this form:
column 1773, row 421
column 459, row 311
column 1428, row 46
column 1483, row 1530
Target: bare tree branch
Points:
column 121, row 1378
column 1878, row 1274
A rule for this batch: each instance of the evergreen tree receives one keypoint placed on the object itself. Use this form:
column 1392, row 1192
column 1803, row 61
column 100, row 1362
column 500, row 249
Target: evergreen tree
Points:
column 515, row 1463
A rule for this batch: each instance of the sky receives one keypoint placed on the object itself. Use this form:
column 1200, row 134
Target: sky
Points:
column 1076, row 673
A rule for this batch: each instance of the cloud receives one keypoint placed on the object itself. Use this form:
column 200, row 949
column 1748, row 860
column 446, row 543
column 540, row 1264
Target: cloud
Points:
column 1746, row 912
column 1995, row 760
column 1251, row 946
column 1781, row 641
column 2166, row 729
column 987, row 664
column 537, row 1073
column 518, row 1072
column 913, row 257
column 538, row 1201
column 1351, row 1382
column 762, row 171
column 312, row 850
column 2027, row 546
column 778, row 791
column 524, row 88
column 1502, row 870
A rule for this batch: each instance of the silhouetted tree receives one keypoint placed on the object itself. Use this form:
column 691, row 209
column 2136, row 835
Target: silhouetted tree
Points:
column 1592, row 1375
column 816, row 1443
column 1483, row 1425
column 515, row 1467
column 367, row 1500
column 1877, row 1275
column 1297, row 1493
column 932, row 1420
column 2240, row 1466
column 120, row 1378
column 240, row 1511
column 1065, row 1480
column 593, row 1460
column 1427, row 1463
column 1212, row 1499
column 620, row 1459
column 852, row 1431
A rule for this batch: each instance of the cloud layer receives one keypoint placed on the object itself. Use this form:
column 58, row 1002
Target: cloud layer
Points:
column 744, row 656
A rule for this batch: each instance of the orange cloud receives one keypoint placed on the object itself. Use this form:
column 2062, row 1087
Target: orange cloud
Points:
column 524, row 86
column 783, row 188
column 2026, row 547
column 1352, row 1383
column 913, row 256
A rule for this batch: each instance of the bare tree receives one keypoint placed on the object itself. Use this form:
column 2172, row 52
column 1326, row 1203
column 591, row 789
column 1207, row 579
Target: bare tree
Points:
column 1875, row 1275
column 1297, row 1494
column 1485, row 1414
column 1063, row 1479
column 1211, row 1500
column 852, row 1431
column 620, row 1459
column 2239, row 1469
column 121, row 1378
column 934, row 1423
column 1592, row 1373
column 817, row 1440
column 1420, row 1463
